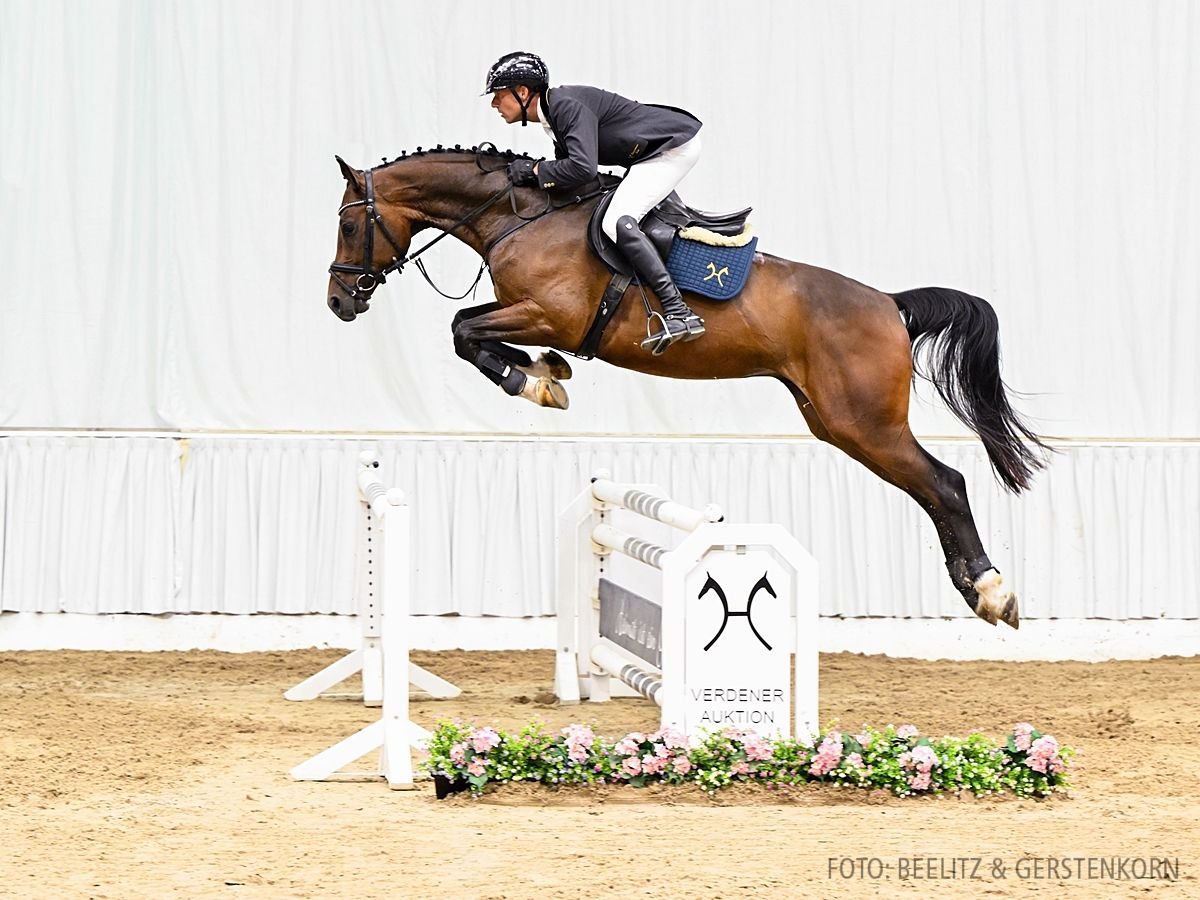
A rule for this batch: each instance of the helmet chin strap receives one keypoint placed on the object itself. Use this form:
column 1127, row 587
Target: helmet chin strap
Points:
column 524, row 104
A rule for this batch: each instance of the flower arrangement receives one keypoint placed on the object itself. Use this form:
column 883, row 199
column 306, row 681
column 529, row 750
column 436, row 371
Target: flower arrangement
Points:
column 899, row 759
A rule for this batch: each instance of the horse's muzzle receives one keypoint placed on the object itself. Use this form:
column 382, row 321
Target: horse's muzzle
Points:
column 348, row 308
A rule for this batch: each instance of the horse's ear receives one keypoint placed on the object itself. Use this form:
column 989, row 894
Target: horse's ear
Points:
column 351, row 176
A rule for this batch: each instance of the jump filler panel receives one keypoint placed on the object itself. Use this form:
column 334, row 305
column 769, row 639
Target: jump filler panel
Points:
column 713, row 621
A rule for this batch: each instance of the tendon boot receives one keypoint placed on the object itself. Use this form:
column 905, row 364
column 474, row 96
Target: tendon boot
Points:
column 678, row 322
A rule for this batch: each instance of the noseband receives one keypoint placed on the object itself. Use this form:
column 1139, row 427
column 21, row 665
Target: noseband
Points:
column 368, row 278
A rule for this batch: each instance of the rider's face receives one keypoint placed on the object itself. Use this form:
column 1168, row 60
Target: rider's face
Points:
column 507, row 105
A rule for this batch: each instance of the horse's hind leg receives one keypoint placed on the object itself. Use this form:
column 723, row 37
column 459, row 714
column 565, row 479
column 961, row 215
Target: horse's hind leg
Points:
column 548, row 365
column 876, row 433
column 480, row 336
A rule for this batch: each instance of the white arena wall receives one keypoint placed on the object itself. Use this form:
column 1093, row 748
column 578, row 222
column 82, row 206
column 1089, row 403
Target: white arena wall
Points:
column 180, row 415
column 248, row 542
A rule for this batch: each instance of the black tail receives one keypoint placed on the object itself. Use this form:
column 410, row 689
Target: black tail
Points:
column 960, row 336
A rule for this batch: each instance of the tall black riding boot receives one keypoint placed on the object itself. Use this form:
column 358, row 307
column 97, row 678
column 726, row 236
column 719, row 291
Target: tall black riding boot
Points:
column 679, row 322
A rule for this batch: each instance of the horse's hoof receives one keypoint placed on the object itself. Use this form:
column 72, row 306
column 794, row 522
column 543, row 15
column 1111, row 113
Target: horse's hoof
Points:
column 996, row 602
column 548, row 365
column 555, row 365
column 546, row 392
column 1010, row 615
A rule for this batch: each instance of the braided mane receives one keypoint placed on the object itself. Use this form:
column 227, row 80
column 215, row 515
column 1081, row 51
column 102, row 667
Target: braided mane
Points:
column 486, row 149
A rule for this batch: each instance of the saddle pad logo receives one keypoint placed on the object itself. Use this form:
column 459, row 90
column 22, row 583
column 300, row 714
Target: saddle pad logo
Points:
column 718, row 273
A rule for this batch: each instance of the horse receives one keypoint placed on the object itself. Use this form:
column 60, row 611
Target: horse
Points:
column 846, row 352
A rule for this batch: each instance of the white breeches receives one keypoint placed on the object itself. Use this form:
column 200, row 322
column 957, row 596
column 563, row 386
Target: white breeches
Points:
column 647, row 183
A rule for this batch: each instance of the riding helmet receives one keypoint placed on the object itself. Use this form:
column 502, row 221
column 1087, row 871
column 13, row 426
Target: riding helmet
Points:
column 517, row 68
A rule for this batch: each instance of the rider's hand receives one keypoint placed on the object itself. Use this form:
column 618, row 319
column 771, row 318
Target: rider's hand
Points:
column 520, row 172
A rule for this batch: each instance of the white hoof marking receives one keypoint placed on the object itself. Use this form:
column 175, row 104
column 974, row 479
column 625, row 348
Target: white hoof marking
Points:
column 548, row 365
column 994, row 597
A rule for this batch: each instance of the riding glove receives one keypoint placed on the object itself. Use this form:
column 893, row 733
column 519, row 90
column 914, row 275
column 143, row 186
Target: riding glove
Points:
column 520, row 172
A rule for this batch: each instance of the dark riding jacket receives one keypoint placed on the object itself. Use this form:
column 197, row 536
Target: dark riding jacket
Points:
column 595, row 128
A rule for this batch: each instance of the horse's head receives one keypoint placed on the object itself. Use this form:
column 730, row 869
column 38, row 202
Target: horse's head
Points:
column 372, row 241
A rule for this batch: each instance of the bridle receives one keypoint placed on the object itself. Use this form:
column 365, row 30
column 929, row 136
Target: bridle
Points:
column 367, row 278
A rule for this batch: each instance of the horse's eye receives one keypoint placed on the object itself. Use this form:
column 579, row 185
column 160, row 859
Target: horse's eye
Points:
column 347, row 228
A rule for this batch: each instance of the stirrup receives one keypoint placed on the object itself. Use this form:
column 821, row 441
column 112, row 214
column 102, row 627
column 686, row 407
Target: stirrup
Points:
column 672, row 330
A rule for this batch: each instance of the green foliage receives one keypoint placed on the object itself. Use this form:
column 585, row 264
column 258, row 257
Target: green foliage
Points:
column 1027, row 763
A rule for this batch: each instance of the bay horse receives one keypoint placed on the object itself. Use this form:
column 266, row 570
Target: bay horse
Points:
column 845, row 351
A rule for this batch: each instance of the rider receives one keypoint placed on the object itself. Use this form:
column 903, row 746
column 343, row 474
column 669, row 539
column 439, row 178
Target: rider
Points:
column 591, row 127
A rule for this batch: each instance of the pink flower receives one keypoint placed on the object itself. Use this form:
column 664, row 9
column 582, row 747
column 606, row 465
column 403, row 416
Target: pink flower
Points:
column 632, row 765
column 829, row 754
column 661, row 751
column 681, row 764
column 674, row 739
column 578, row 734
column 1022, row 734
column 458, row 754
column 855, row 761
column 476, row 767
column 484, row 739
column 741, row 767
column 863, row 739
column 1046, row 745
column 652, row 765
column 907, row 731
column 629, row 745
column 757, row 749
column 920, row 781
column 924, row 757
column 822, row 765
column 1043, row 756
column 579, row 742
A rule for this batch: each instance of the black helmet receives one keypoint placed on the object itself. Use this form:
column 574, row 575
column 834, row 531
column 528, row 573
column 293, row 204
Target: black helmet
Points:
column 517, row 68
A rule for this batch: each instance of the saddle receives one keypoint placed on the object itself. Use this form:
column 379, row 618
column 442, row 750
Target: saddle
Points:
column 706, row 253
column 662, row 225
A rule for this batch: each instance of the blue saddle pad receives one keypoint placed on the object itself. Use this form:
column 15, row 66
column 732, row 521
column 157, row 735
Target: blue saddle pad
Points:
column 715, row 272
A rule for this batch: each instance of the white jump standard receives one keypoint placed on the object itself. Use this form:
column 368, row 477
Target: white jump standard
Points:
column 388, row 577
column 368, row 657
column 706, row 629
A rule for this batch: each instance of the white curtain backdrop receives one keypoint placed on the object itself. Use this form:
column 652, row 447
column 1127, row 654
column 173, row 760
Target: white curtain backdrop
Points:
column 167, row 213
column 168, row 190
column 269, row 524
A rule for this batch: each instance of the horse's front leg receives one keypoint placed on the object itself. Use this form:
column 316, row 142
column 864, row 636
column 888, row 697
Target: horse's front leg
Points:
column 549, row 363
column 480, row 336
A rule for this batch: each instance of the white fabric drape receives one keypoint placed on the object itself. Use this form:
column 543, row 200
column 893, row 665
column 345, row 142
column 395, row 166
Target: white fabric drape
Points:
column 269, row 524
column 167, row 197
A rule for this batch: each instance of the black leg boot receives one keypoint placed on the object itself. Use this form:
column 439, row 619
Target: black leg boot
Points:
column 679, row 322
